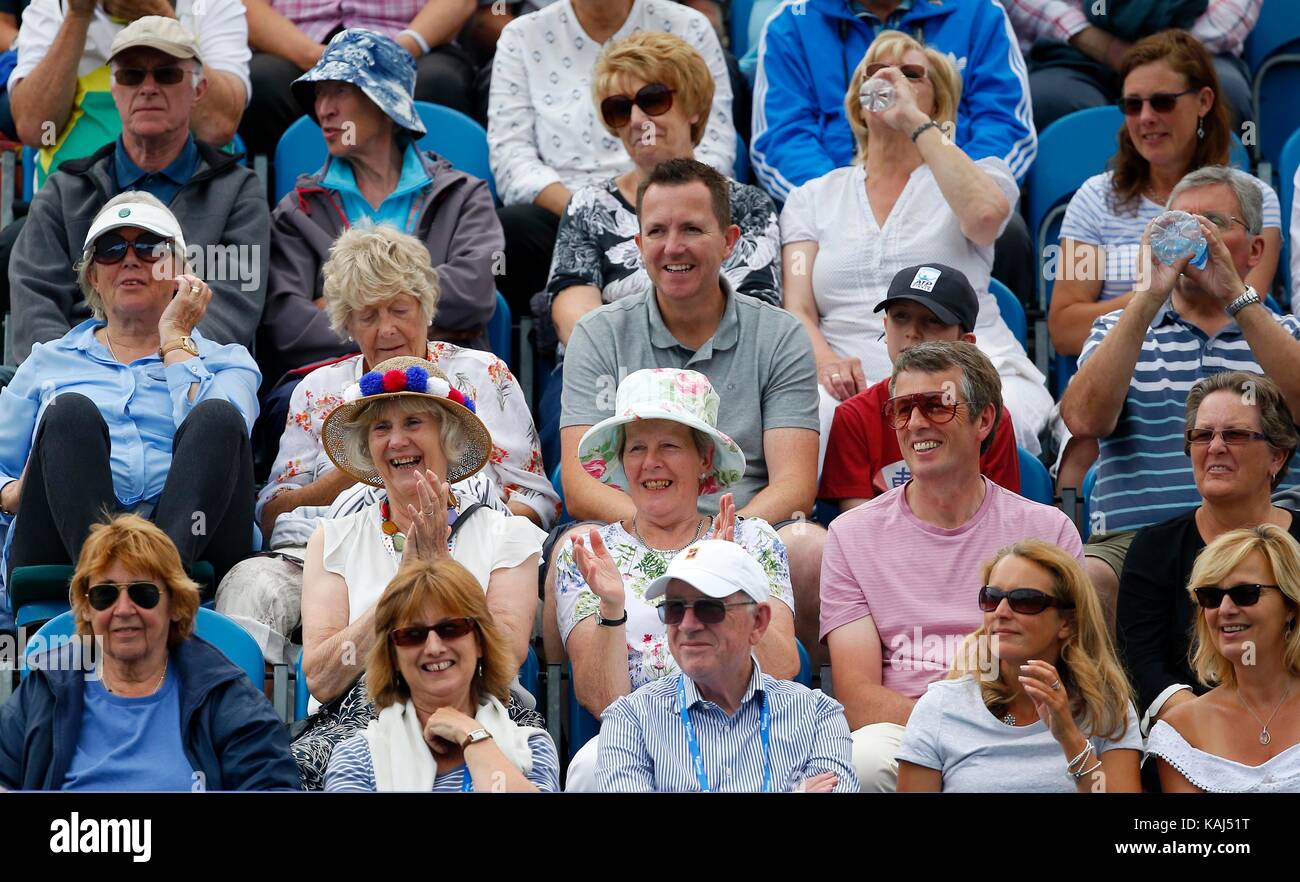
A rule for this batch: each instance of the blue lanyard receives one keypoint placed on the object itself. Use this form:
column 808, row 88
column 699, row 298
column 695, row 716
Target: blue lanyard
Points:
column 764, row 737
column 466, row 783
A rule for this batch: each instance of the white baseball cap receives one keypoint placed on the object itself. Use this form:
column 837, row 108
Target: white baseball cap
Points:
column 716, row 568
column 136, row 214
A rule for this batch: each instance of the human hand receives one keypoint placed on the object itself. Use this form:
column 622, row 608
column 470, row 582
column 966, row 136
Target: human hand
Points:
column 823, row 783
column 904, row 115
column 130, row 10
column 186, row 310
column 1219, row 275
column 724, row 525
column 427, row 537
column 600, row 572
column 447, row 728
column 1052, row 702
column 1154, row 278
column 841, row 377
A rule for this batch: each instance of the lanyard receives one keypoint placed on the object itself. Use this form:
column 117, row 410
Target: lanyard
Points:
column 466, row 783
column 697, row 761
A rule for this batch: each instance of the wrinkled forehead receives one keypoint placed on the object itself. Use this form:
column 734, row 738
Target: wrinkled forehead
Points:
column 1214, row 199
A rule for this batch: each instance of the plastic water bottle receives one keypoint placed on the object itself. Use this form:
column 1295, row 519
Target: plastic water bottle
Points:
column 1177, row 234
column 876, row 95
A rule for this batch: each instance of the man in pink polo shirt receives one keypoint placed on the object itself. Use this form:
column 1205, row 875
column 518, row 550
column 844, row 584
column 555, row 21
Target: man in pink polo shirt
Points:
column 901, row 573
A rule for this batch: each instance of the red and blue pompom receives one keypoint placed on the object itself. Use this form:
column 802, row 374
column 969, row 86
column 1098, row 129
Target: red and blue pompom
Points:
column 462, row 399
column 413, row 379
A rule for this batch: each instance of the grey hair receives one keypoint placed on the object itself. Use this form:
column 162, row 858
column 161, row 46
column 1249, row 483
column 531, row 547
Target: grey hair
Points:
column 356, row 443
column 980, row 384
column 83, row 263
column 1248, row 195
column 372, row 263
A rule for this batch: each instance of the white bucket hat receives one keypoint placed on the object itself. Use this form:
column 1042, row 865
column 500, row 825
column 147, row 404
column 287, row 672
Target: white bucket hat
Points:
column 672, row 394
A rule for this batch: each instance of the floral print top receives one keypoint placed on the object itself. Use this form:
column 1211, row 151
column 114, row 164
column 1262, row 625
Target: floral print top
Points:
column 515, row 464
column 648, row 657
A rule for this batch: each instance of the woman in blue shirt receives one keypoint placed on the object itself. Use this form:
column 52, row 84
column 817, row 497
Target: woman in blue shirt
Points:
column 133, row 409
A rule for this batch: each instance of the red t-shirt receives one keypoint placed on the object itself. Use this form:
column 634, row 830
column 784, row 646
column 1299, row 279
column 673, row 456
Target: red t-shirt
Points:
column 863, row 459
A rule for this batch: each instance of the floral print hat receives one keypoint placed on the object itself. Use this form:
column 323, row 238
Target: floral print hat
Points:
column 375, row 64
column 685, row 397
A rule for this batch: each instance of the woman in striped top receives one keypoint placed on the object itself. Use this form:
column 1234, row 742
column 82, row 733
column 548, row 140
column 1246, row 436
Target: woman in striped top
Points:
column 439, row 672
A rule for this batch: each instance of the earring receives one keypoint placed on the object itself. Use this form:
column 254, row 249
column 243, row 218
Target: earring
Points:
column 1200, row 128
column 1290, row 623
column 480, row 670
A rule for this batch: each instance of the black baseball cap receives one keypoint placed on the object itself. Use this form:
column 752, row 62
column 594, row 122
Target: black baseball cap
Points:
column 943, row 290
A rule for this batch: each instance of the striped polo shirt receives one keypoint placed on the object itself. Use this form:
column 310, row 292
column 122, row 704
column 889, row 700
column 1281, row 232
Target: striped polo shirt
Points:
column 1143, row 475
column 643, row 744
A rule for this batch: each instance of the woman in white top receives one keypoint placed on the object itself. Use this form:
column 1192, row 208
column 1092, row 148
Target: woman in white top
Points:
column 1241, row 736
column 911, row 196
column 1036, row 700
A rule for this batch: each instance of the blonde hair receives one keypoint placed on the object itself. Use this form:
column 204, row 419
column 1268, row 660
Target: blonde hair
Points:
column 142, row 547
column 356, row 441
column 372, row 263
column 1215, row 562
column 83, row 264
column 657, row 57
column 1089, row 669
column 455, row 592
column 942, row 73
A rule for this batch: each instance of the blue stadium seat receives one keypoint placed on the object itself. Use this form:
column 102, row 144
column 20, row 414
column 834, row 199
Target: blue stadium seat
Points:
column 742, row 171
column 1272, row 52
column 1013, row 311
column 582, row 725
column 1089, row 484
column 301, row 694
column 1287, row 167
column 225, row 634
column 805, row 665
column 40, row 593
column 499, row 330
column 451, row 134
column 738, row 25
column 1035, row 481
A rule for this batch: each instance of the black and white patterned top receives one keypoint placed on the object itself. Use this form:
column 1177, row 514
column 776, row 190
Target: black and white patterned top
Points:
column 595, row 245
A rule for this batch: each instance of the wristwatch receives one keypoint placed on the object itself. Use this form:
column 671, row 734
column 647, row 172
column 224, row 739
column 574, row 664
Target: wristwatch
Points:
column 474, row 737
column 187, row 343
column 1236, row 306
column 611, row 623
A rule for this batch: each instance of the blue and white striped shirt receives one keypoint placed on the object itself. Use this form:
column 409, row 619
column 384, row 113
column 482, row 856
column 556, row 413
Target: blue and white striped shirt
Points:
column 350, row 769
column 643, row 745
column 1143, row 475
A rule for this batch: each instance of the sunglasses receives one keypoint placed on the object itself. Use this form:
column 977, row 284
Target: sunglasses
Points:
column 707, row 610
column 911, row 71
column 1229, row 436
column 448, row 629
column 937, row 407
column 169, row 75
column 1027, row 601
column 1161, row 102
column 1211, row 597
column 655, row 99
column 111, row 248
column 143, row 594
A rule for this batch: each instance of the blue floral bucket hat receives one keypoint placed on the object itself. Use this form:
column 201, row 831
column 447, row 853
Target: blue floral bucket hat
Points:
column 375, row 64
column 681, row 396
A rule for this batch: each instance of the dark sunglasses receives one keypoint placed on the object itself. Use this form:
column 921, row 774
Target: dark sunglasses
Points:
column 707, row 610
column 911, row 71
column 1211, row 597
column 415, row 635
column 169, row 75
column 1229, row 436
column 1026, row 601
column 111, row 248
column 654, row 100
column 937, row 407
column 1161, row 102
column 143, row 594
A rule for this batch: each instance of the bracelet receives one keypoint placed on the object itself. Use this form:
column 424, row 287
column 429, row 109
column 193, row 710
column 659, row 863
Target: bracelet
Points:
column 1081, row 758
column 1076, row 775
column 1086, row 772
column 921, row 129
column 419, row 40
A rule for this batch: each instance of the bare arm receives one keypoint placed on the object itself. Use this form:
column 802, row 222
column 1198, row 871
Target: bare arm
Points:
column 512, row 600
column 216, row 114
column 791, row 456
column 48, row 92
column 776, row 652
column 856, row 672
column 1120, row 773
column 841, row 376
column 323, row 491
column 599, row 656
column 918, row 779
column 269, row 31
column 553, row 198
column 980, row 205
column 438, row 22
column 8, row 30
column 1076, row 303
column 570, row 305
column 846, row 504
column 585, row 497
column 526, row 511
column 334, row 652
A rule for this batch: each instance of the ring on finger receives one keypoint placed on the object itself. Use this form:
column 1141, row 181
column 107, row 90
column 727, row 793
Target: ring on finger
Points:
column 1056, row 685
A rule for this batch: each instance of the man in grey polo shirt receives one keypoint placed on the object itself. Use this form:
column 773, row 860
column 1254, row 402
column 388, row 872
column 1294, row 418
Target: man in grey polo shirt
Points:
column 758, row 358
column 1137, row 366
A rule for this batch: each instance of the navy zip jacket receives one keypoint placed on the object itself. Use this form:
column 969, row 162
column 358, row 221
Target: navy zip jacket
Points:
column 230, row 732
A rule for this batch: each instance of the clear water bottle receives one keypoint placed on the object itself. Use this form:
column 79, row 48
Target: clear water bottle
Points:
column 876, row 94
column 1177, row 234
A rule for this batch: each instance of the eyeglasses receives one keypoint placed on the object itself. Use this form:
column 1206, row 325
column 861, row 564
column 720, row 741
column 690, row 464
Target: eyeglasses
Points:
column 911, row 71
column 143, row 594
column 655, row 99
column 1211, row 597
column 1161, row 102
column 168, row 75
column 111, row 248
column 448, row 629
column 1026, row 601
column 1229, row 436
column 707, row 610
column 937, row 407
column 1222, row 222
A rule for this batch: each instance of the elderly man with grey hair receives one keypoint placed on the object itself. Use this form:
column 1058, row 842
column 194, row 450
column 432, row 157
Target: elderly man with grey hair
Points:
column 1183, row 323
column 158, row 87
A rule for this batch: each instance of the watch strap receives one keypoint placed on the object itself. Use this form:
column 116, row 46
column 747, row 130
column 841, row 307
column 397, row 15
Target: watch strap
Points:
column 187, row 343
column 611, row 623
column 474, row 737
column 1246, row 299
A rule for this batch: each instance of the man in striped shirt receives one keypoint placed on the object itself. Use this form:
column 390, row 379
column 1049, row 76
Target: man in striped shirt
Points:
column 722, row 724
column 1138, row 365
